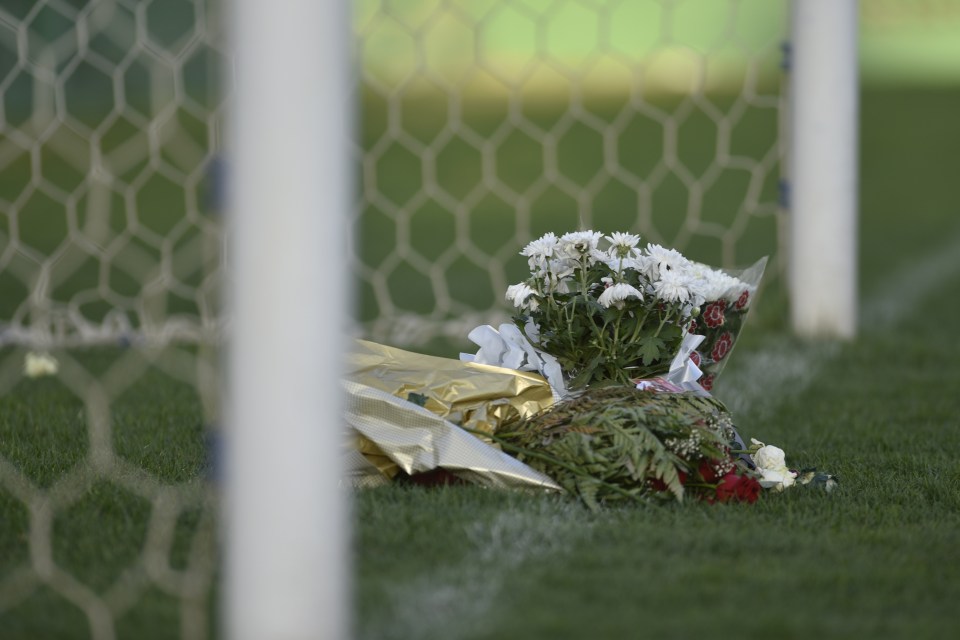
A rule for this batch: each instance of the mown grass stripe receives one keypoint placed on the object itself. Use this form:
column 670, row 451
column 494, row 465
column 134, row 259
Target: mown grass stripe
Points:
column 456, row 600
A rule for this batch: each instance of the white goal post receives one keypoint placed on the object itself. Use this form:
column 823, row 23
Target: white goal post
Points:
column 823, row 168
column 287, row 524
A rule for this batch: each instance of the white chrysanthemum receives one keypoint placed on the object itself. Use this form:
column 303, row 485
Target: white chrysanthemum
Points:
column 672, row 286
column 561, row 268
column 522, row 296
column 540, row 251
column 581, row 246
column 664, row 259
column 623, row 244
column 698, row 284
column 616, row 295
column 557, row 275
column 711, row 284
column 643, row 264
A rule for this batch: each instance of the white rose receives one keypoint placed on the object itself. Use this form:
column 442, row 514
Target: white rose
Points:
column 770, row 457
column 776, row 479
column 772, row 464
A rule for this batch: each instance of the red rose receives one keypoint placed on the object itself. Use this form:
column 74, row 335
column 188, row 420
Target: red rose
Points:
column 722, row 346
column 748, row 489
column 741, row 488
column 742, row 300
column 659, row 485
column 707, row 471
column 713, row 313
column 695, row 358
column 706, row 382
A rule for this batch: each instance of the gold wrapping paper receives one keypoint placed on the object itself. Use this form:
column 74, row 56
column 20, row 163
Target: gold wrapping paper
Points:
column 391, row 433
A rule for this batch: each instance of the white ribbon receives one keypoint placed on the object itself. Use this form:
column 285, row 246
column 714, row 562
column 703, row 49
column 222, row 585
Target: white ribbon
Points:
column 683, row 372
column 509, row 348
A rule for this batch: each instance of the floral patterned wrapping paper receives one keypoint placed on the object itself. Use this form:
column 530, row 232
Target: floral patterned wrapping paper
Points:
column 721, row 320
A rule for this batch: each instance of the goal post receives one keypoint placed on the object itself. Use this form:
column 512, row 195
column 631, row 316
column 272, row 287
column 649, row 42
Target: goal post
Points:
column 823, row 168
column 286, row 525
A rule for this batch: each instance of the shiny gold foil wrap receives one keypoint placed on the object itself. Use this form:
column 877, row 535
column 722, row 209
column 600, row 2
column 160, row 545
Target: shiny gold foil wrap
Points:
column 391, row 433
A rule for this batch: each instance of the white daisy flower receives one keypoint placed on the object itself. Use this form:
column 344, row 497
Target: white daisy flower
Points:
column 616, row 295
column 557, row 274
column 581, row 246
column 519, row 294
column 672, row 286
column 662, row 259
column 622, row 244
column 710, row 284
column 540, row 251
column 561, row 268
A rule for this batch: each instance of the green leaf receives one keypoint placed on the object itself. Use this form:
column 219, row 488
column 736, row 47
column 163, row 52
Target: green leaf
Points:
column 649, row 349
column 583, row 378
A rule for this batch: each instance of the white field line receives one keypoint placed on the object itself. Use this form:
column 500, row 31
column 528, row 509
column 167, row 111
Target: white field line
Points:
column 458, row 601
column 779, row 369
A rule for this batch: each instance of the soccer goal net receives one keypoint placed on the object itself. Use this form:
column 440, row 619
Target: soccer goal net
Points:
column 487, row 124
column 480, row 126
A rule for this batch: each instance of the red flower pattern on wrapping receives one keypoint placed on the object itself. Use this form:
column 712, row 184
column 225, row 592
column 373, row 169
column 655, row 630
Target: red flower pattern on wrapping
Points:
column 706, row 382
column 713, row 313
column 695, row 358
column 722, row 346
column 742, row 301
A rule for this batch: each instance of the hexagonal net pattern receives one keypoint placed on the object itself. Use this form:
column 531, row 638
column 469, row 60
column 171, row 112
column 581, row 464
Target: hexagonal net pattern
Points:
column 110, row 260
column 489, row 123
column 109, row 117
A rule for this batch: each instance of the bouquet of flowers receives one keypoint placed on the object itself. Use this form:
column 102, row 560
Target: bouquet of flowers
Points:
column 614, row 444
column 608, row 311
column 620, row 333
column 619, row 443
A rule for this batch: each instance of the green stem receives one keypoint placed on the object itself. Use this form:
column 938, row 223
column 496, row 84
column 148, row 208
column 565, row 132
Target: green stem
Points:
column 636, row 330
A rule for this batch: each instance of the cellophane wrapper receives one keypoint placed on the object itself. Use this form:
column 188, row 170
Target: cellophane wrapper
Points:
column 403, row 408
column 720, row 322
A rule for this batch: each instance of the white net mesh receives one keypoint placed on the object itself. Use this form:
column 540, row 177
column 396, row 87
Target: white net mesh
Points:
column 110, row 118
column 490, row 123
column 485, row 123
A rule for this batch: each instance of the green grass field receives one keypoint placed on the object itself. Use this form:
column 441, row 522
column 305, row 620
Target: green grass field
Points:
column 881, row 557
